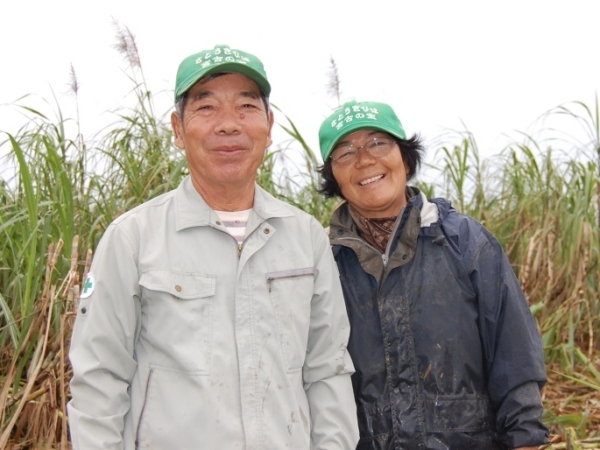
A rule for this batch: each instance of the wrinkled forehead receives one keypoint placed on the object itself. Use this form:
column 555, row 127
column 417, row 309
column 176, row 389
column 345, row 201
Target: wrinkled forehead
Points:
column 251, row 85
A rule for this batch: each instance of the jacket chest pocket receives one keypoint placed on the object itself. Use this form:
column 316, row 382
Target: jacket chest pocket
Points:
column 291, row 294
column 177, row 308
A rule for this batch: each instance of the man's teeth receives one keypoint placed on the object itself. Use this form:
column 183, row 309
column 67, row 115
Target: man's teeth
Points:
column 370, row 180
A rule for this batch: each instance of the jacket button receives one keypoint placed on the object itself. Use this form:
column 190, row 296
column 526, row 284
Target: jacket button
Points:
column 266, row 231
column 178, row 288
column 83, row 310
column 218, row 222
column 340, row 231
column 404, row 257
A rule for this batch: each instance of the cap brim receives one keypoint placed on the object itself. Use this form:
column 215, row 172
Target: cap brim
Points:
column 362, row 126
column 243, row 69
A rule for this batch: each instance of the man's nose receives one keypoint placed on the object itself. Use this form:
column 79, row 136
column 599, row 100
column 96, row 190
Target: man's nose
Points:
column 228, row 121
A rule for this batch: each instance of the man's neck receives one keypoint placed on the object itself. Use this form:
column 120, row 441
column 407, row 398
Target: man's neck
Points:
column 227, row 198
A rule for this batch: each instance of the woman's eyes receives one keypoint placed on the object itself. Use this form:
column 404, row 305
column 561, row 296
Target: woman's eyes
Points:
column 377, row 143
column 346, row 153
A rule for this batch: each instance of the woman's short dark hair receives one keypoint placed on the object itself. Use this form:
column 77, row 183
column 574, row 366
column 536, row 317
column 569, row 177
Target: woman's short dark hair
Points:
column 412, row 151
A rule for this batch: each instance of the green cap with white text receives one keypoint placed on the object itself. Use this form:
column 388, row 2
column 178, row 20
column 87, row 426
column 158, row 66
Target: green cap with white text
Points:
column 354, row 116
column 220, row 59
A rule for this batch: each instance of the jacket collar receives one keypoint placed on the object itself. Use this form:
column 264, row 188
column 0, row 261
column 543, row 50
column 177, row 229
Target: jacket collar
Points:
column 342, row 224
column 403, row 242
column 193, row 211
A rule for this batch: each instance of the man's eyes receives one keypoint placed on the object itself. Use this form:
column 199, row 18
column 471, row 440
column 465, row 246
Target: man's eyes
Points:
column 209, row 107
column 245, row 105
column 204, row 107
column 252, row 104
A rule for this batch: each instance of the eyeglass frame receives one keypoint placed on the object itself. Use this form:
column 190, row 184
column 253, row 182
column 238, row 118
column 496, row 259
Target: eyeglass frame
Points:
column 365, row 146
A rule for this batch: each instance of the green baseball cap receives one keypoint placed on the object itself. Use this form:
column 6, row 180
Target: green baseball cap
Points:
column 220, row 59
column 354, row 116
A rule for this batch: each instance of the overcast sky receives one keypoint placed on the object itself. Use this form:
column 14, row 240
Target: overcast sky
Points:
column 492, row 67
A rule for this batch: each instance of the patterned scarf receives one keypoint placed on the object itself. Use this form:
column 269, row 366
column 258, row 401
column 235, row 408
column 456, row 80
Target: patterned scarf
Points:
column 375, row 231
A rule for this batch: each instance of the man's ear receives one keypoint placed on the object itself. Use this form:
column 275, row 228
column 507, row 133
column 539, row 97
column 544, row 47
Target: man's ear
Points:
column 176, row 125
column 271, row 122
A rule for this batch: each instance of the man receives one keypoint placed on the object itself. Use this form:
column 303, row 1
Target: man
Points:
column 213, row 316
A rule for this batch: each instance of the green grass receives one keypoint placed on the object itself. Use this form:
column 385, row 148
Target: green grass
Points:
column 540, row 200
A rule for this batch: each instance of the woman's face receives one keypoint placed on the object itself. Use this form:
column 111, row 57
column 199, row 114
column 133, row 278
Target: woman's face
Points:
column 375, row 187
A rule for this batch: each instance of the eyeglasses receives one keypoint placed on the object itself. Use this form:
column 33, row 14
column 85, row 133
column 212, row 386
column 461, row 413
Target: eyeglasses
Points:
column 348, row 153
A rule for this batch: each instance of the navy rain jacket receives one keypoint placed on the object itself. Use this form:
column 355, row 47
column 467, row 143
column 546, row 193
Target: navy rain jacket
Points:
column 446, row 351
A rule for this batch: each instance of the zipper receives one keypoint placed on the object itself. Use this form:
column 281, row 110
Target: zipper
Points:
column 388, row 247
column 240, row 246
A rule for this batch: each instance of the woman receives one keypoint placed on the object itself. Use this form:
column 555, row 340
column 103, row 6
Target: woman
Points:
column 446, row 351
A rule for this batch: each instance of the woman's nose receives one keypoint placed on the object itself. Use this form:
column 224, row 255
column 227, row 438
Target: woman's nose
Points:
column 364, row 158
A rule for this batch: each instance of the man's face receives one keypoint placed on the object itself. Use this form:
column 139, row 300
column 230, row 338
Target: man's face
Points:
column 225, row 132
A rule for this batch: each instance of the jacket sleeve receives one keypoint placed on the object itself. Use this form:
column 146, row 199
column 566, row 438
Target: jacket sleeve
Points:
column 328, row 367
column 101, row 351
column 512, row 346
